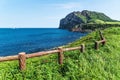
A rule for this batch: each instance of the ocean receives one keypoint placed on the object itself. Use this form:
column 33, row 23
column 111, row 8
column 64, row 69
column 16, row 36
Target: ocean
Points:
column 29, row 40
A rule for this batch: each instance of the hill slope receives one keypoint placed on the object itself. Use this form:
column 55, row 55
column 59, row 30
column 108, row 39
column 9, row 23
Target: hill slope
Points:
column 102, row 64
column 76, row 19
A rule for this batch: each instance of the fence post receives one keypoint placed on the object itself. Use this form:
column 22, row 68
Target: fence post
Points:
column 96, row 45
column 22, row 61
column 60, row 55
column 101, row 35
column 82, row 48
column 103, row 43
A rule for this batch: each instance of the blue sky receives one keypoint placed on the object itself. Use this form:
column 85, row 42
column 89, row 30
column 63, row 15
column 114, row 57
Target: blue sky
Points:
column 47, row 13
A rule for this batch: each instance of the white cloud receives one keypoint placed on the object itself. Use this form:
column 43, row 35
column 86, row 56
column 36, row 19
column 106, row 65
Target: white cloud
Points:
column 70, row 5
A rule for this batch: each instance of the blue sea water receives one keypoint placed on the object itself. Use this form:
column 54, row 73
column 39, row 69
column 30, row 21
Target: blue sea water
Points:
column 13, row 41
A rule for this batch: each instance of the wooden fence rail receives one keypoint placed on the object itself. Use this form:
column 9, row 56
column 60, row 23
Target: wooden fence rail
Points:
column 101, row 35
column 103, row 41
column 23, row 56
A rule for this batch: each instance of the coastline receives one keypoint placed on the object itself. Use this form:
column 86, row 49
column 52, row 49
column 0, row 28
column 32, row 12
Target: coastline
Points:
column 34, row 40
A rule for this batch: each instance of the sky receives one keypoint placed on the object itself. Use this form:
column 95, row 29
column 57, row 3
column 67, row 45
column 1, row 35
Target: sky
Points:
column 47, row 13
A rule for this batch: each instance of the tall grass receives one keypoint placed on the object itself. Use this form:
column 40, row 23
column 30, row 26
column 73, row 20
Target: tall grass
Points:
column 102, row 64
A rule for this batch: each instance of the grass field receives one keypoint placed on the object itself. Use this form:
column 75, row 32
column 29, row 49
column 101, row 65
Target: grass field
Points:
column 112, row 22
column 102, row 64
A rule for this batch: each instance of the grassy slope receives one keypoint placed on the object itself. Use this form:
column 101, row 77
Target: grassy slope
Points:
column 112, row 22
column 98, row 21
column 99, row 64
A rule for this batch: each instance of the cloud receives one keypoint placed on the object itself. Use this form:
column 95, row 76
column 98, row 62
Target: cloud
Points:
column 70, row 5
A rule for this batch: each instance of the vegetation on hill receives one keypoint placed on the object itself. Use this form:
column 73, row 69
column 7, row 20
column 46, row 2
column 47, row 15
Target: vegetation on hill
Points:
column 78, row 19
column 102, row 64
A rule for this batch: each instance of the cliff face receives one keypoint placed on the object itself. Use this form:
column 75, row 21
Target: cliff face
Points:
column 76, row 19
column 70, row 21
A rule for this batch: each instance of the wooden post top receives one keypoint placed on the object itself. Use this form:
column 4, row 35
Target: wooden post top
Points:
column 60, row 48
column 22, row 53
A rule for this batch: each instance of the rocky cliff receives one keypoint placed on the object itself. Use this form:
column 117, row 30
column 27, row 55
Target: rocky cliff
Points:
column 75, row 20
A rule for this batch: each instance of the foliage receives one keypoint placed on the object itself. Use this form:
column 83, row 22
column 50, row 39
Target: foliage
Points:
column 83, row 18
column 98, row 26
column 97, row 21
column 102, row 64
column 98, row 15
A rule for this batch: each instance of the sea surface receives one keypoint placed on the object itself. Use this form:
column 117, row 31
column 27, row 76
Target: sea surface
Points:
column 13, row 41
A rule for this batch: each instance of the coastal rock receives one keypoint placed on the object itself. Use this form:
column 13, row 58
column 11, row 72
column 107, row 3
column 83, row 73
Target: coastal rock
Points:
column 75, row 20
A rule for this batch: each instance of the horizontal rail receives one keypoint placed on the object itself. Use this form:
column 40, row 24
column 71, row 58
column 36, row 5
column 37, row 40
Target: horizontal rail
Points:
column 70, row 49
column 37, row 54
column 101, row 35
column 41, row 53
column 98, row 42
column 9, row 58
column 101, row 41
column 23, row 56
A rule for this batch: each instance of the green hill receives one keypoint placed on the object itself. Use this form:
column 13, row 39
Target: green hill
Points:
column 77, row 19
column 102, row 64
column 92, row 15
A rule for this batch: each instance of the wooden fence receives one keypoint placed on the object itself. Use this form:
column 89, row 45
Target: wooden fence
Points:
column 21, row 57
column 103, row 41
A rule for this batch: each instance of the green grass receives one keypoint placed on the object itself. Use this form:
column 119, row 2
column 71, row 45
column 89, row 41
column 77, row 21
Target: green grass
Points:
column 98, row 21
column 102, row 64
column 112, row 22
